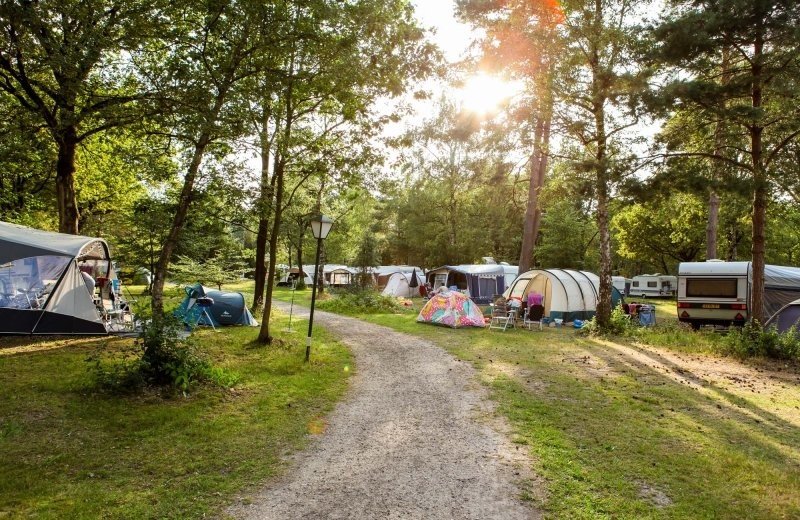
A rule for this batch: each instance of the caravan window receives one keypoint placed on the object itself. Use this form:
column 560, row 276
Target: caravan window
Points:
column 711, row 287
column 652, row 284
column 636, row 284
column 26, row 283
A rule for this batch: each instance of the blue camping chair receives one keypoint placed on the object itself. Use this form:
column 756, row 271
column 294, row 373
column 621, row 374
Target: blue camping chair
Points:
column 199, row 310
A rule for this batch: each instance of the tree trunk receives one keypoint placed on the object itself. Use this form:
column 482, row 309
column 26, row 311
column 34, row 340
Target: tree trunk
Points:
column 601, row 166
column 713, row 225
column 537, row 218
column 66, row 199
column 178, row 221
column 717, row 168
column 266, row 194
column 759, row 191
column 264, row 335
column 541, row 142
column 532, row 206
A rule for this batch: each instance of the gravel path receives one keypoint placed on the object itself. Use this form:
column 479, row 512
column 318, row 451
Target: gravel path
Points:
column 415, row 438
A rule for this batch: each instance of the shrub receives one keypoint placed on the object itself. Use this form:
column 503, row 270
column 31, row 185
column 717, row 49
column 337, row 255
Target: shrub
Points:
column 619, row 324
column 361, row 302
column 160, row 357
column 300, row 285
column 753, row 340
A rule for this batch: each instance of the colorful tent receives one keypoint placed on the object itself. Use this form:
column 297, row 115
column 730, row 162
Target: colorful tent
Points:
column 451, row 309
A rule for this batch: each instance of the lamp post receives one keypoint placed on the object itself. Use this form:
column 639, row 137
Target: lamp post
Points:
column 320, row 227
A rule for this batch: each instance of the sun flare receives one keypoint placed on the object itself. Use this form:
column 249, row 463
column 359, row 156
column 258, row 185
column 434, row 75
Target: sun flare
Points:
column 484, row 94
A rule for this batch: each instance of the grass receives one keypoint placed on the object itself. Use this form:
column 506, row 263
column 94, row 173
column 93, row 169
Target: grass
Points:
column 622, row 432
column 69, row 451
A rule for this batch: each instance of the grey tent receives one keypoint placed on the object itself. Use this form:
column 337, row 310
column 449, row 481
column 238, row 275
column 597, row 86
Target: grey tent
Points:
column 43, row 282
column 787, row 317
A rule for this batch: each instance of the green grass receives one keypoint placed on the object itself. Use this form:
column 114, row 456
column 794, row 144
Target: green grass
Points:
column 615, row 437
column 68, row 451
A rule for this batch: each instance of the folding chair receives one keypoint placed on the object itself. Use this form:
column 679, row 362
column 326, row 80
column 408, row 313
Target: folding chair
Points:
column 533, row 316
column 502, row 315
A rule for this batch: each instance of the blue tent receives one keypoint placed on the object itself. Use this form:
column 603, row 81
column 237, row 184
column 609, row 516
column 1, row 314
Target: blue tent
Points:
column 229, row 308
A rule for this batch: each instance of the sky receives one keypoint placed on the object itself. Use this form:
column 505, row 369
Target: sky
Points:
column 452, row 36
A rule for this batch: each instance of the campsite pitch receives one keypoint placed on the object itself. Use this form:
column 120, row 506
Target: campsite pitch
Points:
column 416, row 438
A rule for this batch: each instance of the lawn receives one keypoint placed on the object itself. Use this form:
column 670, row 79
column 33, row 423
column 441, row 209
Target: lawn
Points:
column 70, row 451
column 624, row 431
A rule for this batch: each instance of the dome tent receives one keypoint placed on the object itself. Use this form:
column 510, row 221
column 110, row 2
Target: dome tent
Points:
column 451, row 309
column 567, row 294
column 399, row 284
column 229, row 308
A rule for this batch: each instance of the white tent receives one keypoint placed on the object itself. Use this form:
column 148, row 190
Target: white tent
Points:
column 47, row 282
column 382, row 273
column 399, row 285
column 566, row 294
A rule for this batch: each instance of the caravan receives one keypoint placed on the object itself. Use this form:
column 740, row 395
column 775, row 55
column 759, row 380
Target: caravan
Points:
column 653, row 286
column 718, row 293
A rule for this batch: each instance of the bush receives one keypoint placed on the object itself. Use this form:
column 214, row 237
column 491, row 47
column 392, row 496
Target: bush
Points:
column 160, row 357
column 361, row 302
column 619, row 325
column 753, row 340
column 300, row 285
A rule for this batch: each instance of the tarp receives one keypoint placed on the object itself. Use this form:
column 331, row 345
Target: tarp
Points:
column 229, row 308
column 451, row 309
column 566, row 294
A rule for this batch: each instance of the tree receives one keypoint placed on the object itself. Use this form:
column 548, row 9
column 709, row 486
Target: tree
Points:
column 761, row 42
column 661, row 231
column 214, row 49
column 599, row 83
column 64, row 62
column 522, row 37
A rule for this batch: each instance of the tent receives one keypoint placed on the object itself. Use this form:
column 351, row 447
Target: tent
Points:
column 294, row 273
column 451, row 309
column 787, row 317
column 382, row 273
column 48, row 282
column 400, row 284
column 229, row 308
column 567, row 294
column 336, row 275
column 481, row 282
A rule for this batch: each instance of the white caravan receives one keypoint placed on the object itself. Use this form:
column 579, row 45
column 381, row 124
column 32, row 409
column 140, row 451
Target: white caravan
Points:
column 622, row 284
column 718, row 293
column 653, row 286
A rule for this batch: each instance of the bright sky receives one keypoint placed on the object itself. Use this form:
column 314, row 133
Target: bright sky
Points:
column 453, row 37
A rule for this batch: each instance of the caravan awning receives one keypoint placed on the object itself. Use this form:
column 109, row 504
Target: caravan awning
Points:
column 23, row 242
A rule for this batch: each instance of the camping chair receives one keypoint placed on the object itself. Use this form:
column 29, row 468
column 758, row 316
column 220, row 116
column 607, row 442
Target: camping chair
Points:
column 502, row 315
column 197, row 309
column 533, row 316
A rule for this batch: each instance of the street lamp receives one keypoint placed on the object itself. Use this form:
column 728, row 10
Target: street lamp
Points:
column 320, row 227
